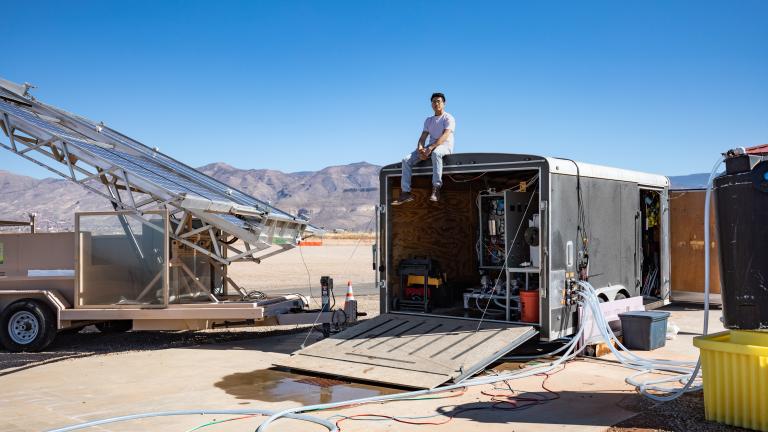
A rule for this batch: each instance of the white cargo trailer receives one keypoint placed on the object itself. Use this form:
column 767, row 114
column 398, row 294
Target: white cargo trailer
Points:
column 467, row 279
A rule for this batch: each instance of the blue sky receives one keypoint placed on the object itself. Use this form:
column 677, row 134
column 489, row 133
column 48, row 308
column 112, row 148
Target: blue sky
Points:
column 655, row 86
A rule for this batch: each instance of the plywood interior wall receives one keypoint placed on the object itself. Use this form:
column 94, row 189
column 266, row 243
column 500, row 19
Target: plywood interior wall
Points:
column 445, row 231
column 687, row 243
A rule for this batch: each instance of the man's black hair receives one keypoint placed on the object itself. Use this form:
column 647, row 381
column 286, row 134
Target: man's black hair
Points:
column 440, row 95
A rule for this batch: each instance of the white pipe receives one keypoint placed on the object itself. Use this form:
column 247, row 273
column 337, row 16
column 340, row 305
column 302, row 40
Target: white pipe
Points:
column 644, row 366
column 535, row 370
column 317, row 420
column 632, row 361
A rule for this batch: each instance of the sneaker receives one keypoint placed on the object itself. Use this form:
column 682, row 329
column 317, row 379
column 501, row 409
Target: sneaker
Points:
column 435, row 197
column 404, row 198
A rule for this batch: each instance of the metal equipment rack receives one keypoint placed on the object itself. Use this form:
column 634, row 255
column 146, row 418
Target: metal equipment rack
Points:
column 140, row 179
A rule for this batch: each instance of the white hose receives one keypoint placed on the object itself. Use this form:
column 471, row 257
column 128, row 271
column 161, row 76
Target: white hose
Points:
column 687, row 376
column 534, row 370
column 293, row 412
column 317, row 420
column 686, row 370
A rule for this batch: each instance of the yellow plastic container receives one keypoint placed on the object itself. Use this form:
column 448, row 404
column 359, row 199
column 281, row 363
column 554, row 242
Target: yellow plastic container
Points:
column 419, row 280
column 735, row 367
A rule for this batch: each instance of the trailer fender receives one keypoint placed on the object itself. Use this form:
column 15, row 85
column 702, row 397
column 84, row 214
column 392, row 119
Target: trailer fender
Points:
column 612, row 292
column 55, row 301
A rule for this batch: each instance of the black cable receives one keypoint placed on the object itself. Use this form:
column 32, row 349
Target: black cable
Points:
column 582, row 228
column 467, row 180
column 229, row 242
column 256, row 295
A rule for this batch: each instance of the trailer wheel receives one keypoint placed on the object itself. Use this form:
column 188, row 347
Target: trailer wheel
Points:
column 117, row 326
column 27, row 326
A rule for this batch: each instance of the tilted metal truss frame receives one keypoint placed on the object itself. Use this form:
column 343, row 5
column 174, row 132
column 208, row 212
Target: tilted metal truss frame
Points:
column 120, row 169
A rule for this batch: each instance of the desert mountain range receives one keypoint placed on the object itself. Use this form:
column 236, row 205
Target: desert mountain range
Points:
column 336, row 197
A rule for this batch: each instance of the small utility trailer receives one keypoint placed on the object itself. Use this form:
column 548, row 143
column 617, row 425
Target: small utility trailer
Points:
column 158, row 261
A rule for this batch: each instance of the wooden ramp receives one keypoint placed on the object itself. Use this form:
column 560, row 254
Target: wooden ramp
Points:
column 410, row 350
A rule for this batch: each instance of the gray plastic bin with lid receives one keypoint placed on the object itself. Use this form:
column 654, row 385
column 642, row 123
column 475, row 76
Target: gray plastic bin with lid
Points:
column 644, row 330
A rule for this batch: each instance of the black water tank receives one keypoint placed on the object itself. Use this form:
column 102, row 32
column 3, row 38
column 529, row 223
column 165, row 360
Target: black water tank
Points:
column 741, row 208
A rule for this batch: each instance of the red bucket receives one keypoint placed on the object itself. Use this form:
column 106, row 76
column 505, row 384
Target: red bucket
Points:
column 529, row 306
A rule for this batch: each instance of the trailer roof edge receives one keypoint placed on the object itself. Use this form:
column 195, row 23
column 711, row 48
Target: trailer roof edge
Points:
column 568, row 167
column 556, row 165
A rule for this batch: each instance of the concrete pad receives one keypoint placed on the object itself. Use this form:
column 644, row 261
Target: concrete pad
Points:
column 592, row 393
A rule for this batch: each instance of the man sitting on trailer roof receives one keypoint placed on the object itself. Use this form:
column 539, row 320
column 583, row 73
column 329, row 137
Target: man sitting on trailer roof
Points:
column 439, row 128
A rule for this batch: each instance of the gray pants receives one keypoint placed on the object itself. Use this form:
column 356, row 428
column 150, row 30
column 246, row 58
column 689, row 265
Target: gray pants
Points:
column 437, row 167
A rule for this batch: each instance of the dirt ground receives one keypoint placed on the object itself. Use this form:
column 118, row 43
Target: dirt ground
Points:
column 300, row 269
column 586, row 386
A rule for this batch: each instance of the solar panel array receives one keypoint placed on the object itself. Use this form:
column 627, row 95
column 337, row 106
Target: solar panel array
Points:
column 147, row 163
column 139, row 161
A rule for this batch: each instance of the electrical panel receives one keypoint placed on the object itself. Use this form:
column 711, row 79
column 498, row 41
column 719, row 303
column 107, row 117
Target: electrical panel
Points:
column 504, row 219
column 520, row 209
column 492, row 241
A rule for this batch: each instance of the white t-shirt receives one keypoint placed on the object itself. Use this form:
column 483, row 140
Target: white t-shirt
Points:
column 436, row 125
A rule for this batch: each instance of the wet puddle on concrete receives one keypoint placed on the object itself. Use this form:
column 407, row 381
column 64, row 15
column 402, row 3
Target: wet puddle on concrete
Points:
column 270, row 385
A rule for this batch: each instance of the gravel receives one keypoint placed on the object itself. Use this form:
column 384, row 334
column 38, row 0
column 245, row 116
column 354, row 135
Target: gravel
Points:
column 680, row 415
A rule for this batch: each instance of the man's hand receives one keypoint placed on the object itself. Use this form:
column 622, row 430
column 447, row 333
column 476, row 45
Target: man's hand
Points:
column 424, row 153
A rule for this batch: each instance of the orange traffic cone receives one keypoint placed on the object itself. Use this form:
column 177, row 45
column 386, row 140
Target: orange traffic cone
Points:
column 350, row 295
column 350, row 305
